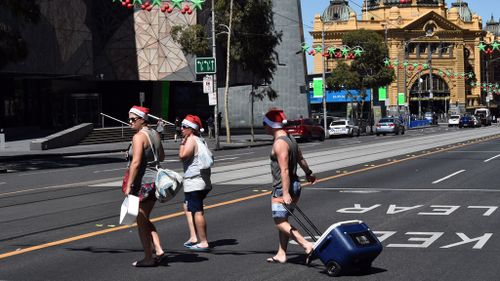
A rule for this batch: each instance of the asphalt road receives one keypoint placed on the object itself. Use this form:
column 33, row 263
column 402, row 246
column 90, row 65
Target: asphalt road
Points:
column 435, row 210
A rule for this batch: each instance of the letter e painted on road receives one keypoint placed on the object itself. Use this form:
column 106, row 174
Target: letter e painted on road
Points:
column 481, row 241
column 440, row 210
column 427, row 241
column 393, row 209
column 357, row 209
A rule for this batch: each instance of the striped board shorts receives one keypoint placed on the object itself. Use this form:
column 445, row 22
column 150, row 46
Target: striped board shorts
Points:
column 278, row 211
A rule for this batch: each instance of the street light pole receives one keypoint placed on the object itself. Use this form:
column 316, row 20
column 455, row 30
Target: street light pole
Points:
column 214, row 79
column 431, row 96
column 323, row 76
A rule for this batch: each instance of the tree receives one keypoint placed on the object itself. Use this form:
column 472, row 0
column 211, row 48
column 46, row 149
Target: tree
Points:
column 366, row 71
column 13, row 48
column 251, row 47
column 343, row 77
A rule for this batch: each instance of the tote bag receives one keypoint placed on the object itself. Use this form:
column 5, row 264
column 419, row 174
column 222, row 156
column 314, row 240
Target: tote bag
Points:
column 204, row 154
column 167, row 182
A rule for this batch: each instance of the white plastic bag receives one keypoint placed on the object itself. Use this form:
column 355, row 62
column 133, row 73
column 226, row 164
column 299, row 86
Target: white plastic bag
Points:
column 204, row 154
column 129, row 209
column 167, row 184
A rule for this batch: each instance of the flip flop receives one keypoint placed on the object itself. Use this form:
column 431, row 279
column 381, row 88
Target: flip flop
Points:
column 159, row 258
column 197, row 248
column 188, row 244
column 143, row 263
column 275, row 260
column 309, row 258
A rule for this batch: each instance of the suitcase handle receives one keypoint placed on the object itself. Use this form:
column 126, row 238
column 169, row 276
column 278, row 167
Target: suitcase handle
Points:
column 302, row 224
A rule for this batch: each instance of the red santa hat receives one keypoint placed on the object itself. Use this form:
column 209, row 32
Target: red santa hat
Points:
column 275, row 118
column 140, row 111
column 193, row 121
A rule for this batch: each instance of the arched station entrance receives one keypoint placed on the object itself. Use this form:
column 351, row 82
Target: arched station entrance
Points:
column 420, row 98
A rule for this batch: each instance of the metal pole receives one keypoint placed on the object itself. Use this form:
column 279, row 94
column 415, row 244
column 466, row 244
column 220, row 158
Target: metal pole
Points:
column 404, row 78
column 2, row 140
column 323, row 76
column 488, row 57
column 420, row 94
column 431, row 96
column 214, row 79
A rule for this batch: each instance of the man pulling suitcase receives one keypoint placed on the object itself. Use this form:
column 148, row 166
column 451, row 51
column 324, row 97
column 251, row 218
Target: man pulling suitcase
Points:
column 285, row 156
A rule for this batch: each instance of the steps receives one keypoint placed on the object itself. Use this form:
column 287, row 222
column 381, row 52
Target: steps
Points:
column 118, row 134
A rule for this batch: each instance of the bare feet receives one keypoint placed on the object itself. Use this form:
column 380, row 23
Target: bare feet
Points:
column 145, row 263
column 309, row 254
column 276, row 260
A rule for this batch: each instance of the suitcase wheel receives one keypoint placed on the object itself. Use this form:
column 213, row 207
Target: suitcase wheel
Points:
column 333, row 268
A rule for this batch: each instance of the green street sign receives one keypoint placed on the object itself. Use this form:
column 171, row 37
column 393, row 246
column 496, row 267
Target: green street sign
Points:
column 205, row 66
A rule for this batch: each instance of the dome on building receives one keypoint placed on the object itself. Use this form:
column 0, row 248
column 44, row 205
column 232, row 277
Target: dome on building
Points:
column 463, row 10
column 493, row 26
column 338, row 10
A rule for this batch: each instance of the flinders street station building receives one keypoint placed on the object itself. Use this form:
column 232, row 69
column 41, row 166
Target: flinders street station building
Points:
column 443, row 59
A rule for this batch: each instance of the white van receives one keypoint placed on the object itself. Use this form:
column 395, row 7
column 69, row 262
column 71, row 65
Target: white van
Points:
column 484, row 115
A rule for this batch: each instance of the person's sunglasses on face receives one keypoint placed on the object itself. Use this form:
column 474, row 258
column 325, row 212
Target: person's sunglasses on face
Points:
column 133, row 119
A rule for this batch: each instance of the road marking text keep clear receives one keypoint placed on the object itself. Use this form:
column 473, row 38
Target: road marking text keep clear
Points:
column 425, row 239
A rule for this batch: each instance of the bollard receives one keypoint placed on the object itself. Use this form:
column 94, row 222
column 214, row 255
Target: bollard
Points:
column 2, row 140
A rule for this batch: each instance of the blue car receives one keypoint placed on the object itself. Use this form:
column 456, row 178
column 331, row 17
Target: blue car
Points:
column 467, row 121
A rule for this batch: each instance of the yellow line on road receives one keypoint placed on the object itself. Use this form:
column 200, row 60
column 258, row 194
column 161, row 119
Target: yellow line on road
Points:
column 177, row 214
column 109, row 230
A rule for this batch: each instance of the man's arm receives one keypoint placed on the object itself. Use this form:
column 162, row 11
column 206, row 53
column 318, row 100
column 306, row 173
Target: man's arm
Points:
column 281, row 151
column 305, row 167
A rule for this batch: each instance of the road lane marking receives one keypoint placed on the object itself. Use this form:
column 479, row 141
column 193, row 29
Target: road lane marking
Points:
column 489, row 159
column 2, row 183
column 109, row 170
column 448, row 176
column 238, row 154
column 76, row 184
column 228, row 158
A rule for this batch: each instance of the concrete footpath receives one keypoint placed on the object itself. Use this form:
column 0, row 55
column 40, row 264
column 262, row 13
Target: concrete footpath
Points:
column 20, row 150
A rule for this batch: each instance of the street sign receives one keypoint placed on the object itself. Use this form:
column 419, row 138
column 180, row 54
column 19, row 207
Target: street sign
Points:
column 205, row 65
column 142, row 98
column 212, row 99
column 207, row 84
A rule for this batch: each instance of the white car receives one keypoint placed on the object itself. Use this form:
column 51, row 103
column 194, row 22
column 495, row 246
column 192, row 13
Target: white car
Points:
column 343, row 127
column 454, row 120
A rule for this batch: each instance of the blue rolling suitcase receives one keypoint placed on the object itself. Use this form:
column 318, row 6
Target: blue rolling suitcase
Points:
column 344, row 246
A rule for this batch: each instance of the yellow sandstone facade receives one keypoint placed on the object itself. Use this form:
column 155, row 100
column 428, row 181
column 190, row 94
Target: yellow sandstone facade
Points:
column 428, row 43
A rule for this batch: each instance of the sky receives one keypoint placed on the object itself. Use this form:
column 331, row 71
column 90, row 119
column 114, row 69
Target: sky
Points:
column 484, row 8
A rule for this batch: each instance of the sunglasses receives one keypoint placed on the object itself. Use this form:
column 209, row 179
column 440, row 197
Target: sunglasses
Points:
column 133, row 119
column 185, row 127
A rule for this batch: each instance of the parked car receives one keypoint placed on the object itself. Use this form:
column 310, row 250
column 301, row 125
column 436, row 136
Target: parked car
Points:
column 454, row 120
column 343, row 127
column 389, row 125
column 467, row 121
column 305, row 129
